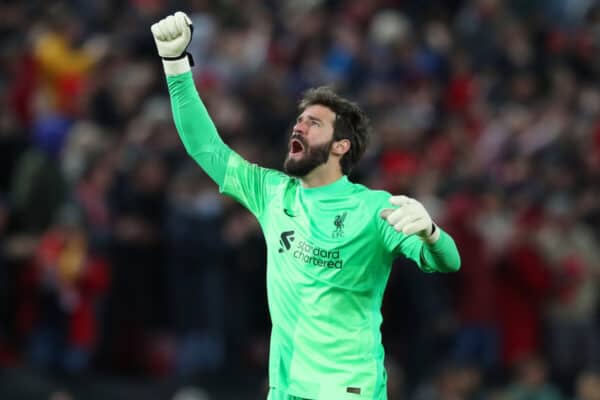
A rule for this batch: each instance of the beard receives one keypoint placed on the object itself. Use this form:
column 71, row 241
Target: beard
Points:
column 313, row 157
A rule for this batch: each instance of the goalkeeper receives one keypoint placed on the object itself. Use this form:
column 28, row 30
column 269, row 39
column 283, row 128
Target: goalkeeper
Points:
column 330, row 242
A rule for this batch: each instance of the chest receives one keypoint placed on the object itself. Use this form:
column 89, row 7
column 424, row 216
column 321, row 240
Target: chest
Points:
column 333, row 239
column 329, row 223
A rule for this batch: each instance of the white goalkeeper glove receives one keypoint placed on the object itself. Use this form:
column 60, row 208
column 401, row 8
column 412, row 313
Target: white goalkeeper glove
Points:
column 172, row 36
column 411, row 218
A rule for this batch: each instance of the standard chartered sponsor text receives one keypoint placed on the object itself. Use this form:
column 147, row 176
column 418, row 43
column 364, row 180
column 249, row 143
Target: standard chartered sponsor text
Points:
column 311, row 254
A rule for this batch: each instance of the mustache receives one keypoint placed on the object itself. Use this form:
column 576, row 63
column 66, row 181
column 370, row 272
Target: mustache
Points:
column 299, row 138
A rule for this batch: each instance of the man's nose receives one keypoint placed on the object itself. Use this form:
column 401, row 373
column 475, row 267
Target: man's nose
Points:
column 300, row 127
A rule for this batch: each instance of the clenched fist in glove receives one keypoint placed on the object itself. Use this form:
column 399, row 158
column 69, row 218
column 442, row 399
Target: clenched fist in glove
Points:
column 410, row 217
column 172, row 36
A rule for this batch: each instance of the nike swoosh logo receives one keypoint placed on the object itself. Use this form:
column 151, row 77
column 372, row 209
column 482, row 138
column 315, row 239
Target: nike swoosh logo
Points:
column 288, row 213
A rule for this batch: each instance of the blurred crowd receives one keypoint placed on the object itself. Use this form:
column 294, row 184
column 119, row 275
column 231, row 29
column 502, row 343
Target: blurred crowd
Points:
column 118, row 255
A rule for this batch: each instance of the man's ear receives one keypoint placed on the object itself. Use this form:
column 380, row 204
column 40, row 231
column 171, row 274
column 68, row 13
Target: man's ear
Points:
column 340, row 147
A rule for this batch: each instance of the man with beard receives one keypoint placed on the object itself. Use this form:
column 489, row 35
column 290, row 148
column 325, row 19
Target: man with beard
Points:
column 330, row 242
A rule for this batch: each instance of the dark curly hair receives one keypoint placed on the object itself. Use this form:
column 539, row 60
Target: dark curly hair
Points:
column 351, row 122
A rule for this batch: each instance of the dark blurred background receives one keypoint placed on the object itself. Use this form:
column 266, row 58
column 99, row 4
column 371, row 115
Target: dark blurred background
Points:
column 125, row 275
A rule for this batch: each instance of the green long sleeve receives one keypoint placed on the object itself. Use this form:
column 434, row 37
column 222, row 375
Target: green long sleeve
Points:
column 196, row 129
column 441, row 256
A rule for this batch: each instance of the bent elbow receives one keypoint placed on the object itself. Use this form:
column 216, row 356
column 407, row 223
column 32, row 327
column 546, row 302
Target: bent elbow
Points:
column 453, row 261
column 454, row 266
column 450, row 265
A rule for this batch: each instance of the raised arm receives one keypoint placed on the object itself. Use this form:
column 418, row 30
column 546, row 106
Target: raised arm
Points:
column 247, row 183
column 198, row 133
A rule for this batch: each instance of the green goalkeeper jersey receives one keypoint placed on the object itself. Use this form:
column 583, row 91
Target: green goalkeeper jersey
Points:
column 329, row 256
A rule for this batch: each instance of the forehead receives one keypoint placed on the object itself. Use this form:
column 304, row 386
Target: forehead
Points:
column 321, row 112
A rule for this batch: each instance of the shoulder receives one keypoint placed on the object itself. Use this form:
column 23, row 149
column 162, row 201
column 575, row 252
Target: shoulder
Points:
column 277, row 178
column 277, row 183
column 238, row 164
column 280, row 177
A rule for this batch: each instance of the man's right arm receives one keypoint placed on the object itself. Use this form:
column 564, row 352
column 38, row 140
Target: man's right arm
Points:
column 196, row 129
column 236, row 177
column 247, row 183
column 172, row 36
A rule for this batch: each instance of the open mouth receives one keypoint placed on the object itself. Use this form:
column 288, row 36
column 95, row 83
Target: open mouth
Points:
column 296, row 147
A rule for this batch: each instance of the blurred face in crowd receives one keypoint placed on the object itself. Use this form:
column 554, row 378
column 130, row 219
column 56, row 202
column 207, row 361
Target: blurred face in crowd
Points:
column 311, row 141
column 532, row 372
column 150, row 175
column 588, row 386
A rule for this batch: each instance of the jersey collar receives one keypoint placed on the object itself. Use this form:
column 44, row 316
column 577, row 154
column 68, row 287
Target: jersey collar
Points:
column 333, row 189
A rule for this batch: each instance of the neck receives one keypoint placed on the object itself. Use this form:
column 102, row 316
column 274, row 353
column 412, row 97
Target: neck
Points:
column 321, row 176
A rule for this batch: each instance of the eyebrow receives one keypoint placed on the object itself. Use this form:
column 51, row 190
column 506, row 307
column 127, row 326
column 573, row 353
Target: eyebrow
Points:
column 311, row 118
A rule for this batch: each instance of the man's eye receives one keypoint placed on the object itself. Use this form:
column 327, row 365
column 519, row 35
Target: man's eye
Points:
column 315, row 123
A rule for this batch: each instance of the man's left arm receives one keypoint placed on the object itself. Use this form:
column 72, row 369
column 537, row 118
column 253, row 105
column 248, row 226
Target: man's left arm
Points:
column 420, row 240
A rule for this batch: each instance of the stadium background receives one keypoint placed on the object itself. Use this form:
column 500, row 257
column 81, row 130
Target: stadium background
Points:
column 125, row 275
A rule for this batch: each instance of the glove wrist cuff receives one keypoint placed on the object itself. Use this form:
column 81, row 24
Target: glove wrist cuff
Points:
column 176, row 66
column 433, row 236
column 183, row 55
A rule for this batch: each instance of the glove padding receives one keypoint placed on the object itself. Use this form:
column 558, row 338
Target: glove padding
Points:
column 172, row 36
column 410, row 218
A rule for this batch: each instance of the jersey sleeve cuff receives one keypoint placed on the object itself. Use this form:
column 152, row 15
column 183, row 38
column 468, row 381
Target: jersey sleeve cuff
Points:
column 176, row 67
